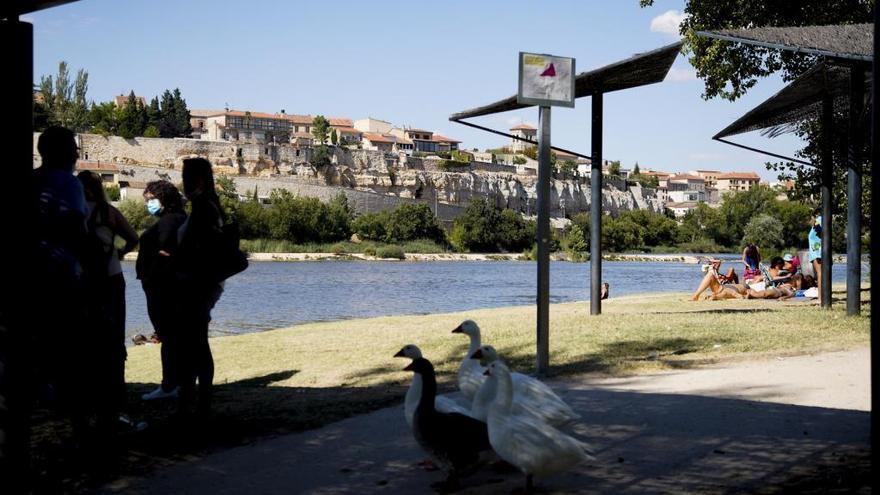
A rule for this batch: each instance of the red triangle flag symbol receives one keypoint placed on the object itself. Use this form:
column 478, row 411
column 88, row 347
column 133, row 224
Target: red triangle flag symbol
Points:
column 549, row 71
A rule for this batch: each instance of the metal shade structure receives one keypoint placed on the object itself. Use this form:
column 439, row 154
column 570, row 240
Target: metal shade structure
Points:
column 845, row 41
column 15, row 8
column 847, row 52
column 639, row 70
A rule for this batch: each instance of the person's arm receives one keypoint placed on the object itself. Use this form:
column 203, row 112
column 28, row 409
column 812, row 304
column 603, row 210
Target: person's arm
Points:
column 167, row 233
column 744, row 262
column 123, row 229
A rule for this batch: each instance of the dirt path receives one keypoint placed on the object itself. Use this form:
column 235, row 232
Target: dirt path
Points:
column 763, row 426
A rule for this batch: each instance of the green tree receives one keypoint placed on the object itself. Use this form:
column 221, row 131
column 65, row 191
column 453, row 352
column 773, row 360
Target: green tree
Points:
column 636, row 170
column 532, row 152
column 320, row 129
column 619, row 235
column 486, row 228
column 334, row 138
column 738, row 209
column 729, row 70
column 78, row 110
column 614, row 168
column 47, row 89
column 518, row 160
column 568, row 167
column 320, row 156
column 104, row 118
column 62, row 95
column 764, row 231
column 180, row 115
column 154, row 114
column 131, row 118
column 64, row 101
column 151, row 132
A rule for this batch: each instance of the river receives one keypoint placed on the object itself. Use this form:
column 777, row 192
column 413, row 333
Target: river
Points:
column 274, row 294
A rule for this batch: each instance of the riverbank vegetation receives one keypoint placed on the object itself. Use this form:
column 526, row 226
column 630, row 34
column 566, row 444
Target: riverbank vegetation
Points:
column 299, row 224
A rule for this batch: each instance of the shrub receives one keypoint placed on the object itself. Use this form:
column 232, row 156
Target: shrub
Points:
column 337, row 248
column 112, row 191
column 408, row 222
column 391, row 252
column 487, row 228
column 370, row 251
column 371, row 225
column 518, row 160
column 764, row 231
column 305, row 219
column 136, row 214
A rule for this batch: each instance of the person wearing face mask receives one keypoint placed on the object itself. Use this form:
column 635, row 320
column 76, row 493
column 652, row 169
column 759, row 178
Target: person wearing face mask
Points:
column 107, row 289
column 155, row 270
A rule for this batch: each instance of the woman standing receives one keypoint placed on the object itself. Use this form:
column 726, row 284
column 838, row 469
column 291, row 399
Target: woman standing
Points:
column 751, row 258
column 199, row 284
column 815, row 240
column 156, row 272
column 104, row 223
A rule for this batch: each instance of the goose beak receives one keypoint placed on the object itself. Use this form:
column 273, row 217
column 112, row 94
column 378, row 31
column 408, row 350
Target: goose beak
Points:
column 399, row 354
column 409, row 367
column 478, row 354
column 488, row 371
column 458, row 330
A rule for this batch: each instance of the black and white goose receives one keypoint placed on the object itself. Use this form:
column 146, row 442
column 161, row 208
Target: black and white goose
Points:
column 442, row 403
column 453, row 439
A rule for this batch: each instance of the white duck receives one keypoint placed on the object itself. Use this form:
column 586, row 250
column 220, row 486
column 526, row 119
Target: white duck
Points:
column 442, row 403
column 531, row 397
column 537, row 449
column 470, row 371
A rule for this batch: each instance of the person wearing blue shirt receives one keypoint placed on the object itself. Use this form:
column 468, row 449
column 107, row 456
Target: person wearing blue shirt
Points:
column 815, row 241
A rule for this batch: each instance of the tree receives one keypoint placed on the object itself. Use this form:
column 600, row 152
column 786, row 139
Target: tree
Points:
column 103, row 117
column 568, row 167
column 532, row 152
column 63, row 94
column 636, row 170
column 181, row 115
column 78, row 118
column 729, row 70
column 333, row 137
column 47, row 89
column 154, row 114
column 320, row 129
column 764, row 231
column 614, row 168
column 132, row 118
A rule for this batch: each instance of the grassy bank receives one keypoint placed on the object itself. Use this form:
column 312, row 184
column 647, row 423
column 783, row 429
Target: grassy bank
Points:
column 309, row 375
column 370, row 247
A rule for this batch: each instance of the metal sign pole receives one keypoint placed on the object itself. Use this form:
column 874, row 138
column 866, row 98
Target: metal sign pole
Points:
column 543, row 239
column 596, row 208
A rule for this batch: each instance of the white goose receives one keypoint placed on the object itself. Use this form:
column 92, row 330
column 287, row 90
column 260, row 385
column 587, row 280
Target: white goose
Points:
column 442, row 403
column 531, row 397
column 470, row 372
column 537, row 449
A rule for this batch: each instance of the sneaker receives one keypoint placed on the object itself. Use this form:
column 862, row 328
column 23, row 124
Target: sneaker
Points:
column 160, row 393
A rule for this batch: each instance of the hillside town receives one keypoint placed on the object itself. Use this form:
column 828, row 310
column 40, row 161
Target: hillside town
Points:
column 278, row 135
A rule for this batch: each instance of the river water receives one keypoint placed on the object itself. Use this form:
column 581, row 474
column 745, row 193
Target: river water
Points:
column 272, row 295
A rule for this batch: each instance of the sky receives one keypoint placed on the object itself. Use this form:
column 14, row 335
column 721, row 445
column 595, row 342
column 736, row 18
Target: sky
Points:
column 406, row 62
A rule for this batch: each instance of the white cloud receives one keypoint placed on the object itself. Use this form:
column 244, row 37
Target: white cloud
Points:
column 679, row 74
column 668, row 22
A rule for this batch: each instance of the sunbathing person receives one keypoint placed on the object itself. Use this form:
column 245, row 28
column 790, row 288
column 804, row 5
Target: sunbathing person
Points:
column 722, row 286
column 782, row 291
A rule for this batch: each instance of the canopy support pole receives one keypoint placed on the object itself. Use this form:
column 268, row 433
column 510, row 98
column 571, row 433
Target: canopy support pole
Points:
column 596, row 207
column 543, row 239
column 854, row 193
column 826, row 190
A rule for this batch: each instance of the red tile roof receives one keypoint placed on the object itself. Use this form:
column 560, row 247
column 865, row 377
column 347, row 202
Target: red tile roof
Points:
column 340, row 122
column 122, row 100
column 740, row 175
column 685, row 177
column 443, row 139
column 96, row 166
column 347, row 130
column 203, row 112
column 378, row 138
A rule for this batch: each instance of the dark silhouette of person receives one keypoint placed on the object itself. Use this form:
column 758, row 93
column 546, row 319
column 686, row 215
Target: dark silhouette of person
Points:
column 62, row 363
column 104, row 224
column 199, row 288
column 155, row 269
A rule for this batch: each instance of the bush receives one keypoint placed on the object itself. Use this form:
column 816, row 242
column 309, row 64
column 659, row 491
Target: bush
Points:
column 370, row 251
column 487, row 228
column 518, row 160
column 305, row 219
column 371, row 225
column 764, row 231
column 136, row 214
column 112, row 191
column 390, row 252
column 337, row 249
column 408, row 222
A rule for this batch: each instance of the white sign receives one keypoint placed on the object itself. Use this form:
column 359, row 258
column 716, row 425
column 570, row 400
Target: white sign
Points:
column 545, row 80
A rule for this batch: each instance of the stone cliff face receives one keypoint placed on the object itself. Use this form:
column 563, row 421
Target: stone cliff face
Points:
column 406, row 177
column 426, row 180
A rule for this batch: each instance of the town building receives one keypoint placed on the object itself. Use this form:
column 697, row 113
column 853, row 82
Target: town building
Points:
column 425, row 141
column 122, row 100
column 248, row 127
column 661, row 176
column 378, row 142
column 737, row 181
column 109, row 172
column 524, row 131
column 680, row 209
column 374, row 126
column 685, row 188
column 709, row 176
column 198, row 119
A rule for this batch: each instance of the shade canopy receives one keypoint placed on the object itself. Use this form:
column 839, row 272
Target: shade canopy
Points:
column 849, row 42
column 799, row 101
column 15, row 8
column 638, row 70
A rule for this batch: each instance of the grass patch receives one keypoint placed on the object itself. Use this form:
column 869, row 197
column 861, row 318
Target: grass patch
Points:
column 309, row 375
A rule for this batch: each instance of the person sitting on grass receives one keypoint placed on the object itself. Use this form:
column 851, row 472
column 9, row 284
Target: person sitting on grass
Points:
column 722, row 286
column 782, row 291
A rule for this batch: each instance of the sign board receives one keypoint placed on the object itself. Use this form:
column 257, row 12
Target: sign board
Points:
column 545, row 80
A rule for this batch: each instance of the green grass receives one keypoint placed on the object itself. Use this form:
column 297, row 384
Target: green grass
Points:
column 309, row 375
column 425, row 246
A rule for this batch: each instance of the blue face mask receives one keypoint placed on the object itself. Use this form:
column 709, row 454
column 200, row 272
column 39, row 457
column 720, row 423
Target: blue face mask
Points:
column 154, row 207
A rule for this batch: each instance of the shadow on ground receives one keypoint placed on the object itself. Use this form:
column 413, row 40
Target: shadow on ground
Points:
column 644, row 443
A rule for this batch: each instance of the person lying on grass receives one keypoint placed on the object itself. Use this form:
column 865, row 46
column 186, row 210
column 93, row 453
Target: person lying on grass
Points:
column 722, row 286
column 782, row 291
